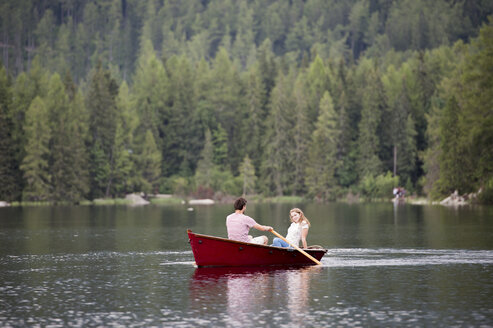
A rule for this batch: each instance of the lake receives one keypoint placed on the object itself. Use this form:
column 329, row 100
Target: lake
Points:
column 387, row 265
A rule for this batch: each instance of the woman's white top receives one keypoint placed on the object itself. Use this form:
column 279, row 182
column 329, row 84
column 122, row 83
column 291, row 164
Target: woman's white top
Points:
column 294, row 232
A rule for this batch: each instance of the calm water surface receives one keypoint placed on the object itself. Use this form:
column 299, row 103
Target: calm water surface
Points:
column 132, row 266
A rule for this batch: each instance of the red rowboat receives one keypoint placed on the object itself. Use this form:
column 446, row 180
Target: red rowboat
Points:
column 216, row 251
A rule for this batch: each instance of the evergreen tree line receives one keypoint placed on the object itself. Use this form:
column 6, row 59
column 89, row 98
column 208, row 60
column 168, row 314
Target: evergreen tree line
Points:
column 75, row 35
column 312, row 121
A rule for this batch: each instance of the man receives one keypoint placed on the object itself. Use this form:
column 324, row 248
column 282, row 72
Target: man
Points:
column 239, row 224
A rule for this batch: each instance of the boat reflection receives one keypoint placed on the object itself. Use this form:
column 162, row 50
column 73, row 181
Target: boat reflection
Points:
column 244, row 293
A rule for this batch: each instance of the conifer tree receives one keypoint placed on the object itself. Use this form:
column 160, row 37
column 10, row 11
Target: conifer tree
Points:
column 317, row 82
column 62, row 47
column 243, row 47
column 46, row 34
column 27, row 86
column 348, row 109
column 403, row 138
column 9, row 171
column 455, row 171
column 299, row 39
column 322, row 157
column 267, row 66
column 220, row 143
column 182, row 122
column 205, row 166
column 116, row 51
column 277, row 168
column 69, row 164
column 205, row 110
column 479, row 99
column 247, row 174
column 150, row 98
column 61, row 157
column 301, row 137
column 229, row 104
column 126, row 123
column 431, row 155
column 79, row 138
column 99, row 170
column 35, row 164
column 256, row 115
column 101, row 106
column 149, row 31
column 373, row 104
column 150, row 164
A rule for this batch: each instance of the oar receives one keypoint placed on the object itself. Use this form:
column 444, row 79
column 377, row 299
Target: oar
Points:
column 297, row 248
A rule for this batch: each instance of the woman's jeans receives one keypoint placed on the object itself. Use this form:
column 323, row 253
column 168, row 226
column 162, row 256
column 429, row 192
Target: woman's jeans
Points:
column 279, row 243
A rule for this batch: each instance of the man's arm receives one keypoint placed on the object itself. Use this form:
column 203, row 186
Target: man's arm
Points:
column 262, row 227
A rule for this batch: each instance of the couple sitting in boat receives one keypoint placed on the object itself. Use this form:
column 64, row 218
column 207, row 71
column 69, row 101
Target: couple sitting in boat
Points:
column 238, row 225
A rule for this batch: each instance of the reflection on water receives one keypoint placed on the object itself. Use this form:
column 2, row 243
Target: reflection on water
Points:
column 298, row 292
column 251, row 293
column 245, row 294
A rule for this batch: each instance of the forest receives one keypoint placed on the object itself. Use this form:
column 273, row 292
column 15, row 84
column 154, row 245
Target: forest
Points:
column 207, row 98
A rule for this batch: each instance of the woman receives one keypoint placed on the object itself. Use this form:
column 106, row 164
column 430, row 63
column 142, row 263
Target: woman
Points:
column 298, row 230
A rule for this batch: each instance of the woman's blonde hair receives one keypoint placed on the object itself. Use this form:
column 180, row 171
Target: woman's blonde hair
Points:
column 300, row 212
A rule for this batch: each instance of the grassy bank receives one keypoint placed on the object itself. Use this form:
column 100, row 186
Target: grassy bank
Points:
column 167, row 201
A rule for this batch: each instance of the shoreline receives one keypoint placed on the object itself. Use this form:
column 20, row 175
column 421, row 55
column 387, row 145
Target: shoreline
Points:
column 177, row 200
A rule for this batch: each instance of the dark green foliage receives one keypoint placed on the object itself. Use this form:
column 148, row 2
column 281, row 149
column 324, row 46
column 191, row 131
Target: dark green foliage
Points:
column 122, row 163
column 254, row 74
column 403, row 137
column 454, row 156
column 349, row 112
column 277, row 166
column 247, row 175
column 69, row 171
column 220, row 150
column 373, row 106
column 101, row 102
column 256, row 115
column 99, row 171
column 205, row 166
column 322, row 159
column 478, row 98
column 465, row 121
column 35, row 165
column 101, row 105
column 149, row 163
column 9, row 171
column 486, row 195
column 378, row 187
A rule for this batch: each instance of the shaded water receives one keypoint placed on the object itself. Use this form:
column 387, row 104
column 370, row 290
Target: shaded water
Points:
column 132, row 266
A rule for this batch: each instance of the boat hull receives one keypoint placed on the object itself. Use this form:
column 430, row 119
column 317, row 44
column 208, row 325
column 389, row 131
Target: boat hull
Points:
column 210, row 251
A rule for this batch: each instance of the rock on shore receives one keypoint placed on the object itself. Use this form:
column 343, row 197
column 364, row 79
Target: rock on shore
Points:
column 136, row 199
column 456, row 200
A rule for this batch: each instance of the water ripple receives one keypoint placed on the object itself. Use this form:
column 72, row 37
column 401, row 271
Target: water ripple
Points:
column 365, row 257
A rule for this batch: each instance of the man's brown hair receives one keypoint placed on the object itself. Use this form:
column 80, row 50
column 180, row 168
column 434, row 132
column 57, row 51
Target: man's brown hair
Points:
column 239, row 203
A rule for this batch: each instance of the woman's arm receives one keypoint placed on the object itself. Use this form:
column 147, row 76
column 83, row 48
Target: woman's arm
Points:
column 304, row 233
